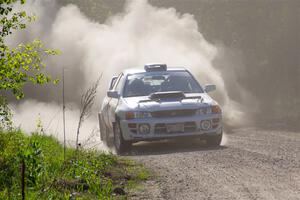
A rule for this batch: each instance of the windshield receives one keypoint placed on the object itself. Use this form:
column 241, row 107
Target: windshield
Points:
column 145, row 84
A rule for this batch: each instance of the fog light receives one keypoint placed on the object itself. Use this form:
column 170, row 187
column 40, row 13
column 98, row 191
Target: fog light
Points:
column 144, row 128
column 206, row 125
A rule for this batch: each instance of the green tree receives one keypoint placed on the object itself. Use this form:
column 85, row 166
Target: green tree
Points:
column 22, row 64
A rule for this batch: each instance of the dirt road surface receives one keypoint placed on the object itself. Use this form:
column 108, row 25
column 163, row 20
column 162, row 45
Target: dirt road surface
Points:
column 251, row 164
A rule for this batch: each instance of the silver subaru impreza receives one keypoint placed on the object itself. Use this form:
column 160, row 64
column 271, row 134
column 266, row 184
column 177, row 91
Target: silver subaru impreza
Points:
column 157, row 103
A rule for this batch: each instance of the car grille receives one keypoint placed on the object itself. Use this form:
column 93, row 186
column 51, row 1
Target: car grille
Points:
column 173, row 113
column 162, row 129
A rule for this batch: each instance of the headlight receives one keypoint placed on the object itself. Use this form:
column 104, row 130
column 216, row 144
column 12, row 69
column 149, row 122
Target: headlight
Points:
column 209, row 110
column 137, row 115
column 144, row 128
column 204, row 111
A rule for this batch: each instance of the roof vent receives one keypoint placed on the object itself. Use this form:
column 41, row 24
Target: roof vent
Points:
column 155, row 67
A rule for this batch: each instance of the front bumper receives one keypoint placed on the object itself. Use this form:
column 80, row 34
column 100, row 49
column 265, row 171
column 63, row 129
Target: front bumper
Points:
column 130, row 134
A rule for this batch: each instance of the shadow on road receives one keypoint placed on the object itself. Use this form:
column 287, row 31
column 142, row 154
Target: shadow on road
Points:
column 169, row 147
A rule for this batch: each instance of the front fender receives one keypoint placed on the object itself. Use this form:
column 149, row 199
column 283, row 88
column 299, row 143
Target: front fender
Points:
column 121, row 109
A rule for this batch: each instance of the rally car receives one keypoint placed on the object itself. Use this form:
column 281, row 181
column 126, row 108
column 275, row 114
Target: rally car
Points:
column 155, row 103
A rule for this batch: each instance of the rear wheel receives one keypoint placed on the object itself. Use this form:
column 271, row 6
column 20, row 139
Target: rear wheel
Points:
column 214, row 140
column 121, row 145
column 102, row 128
column 104, row 132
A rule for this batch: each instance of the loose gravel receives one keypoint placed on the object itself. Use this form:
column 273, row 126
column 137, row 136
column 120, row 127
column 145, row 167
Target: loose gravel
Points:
column 252, row 164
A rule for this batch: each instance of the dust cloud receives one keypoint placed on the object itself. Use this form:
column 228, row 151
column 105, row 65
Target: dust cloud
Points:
column 140, row 34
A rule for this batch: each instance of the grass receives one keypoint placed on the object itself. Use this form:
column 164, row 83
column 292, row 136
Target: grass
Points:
column 85, row 174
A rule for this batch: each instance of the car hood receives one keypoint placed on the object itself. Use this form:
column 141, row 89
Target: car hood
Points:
column 192, row 101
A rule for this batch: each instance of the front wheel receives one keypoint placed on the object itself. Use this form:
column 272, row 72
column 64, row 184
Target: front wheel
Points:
column 120, row 144
column 214, row 140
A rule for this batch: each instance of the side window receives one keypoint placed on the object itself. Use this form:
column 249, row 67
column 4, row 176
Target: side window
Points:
column 112, row 82
column 119, row 84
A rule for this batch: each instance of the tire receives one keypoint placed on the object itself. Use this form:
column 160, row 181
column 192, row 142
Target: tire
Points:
column 101, row 127
column 104, row 134
column 121, row 145
column 214, row 140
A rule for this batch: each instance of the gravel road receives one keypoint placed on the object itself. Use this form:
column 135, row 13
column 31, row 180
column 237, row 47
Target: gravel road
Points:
column 251, row 164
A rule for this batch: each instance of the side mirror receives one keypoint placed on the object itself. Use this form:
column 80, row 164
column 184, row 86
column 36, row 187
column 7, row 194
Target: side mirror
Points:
column 113, row 94
column 209, row 88
column 112, row 82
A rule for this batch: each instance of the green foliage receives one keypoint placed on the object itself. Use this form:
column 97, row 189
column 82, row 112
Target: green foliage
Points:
column 11, row 21
column 39, row 126
column 22, row 64
column 15, row 148
column 5, row 115
column 85, row 174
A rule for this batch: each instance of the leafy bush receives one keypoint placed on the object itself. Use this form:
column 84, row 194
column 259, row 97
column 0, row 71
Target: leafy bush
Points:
column 20, row 65
column 5, row 115
column 85, row 174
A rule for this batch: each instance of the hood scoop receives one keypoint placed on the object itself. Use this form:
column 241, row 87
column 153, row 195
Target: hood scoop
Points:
column 167, row 95
column 174, row 95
